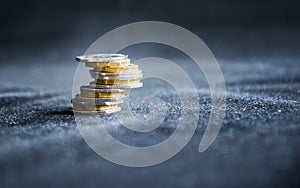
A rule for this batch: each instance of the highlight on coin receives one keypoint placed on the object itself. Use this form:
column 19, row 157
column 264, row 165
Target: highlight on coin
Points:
column 113, row 74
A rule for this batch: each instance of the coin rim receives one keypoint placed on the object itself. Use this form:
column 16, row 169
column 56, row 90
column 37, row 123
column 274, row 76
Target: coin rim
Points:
column 101, row 86
column 89, row 88
column 90, row 58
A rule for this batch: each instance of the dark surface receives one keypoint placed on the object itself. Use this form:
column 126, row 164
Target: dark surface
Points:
column 256, row 43
column 258, row 144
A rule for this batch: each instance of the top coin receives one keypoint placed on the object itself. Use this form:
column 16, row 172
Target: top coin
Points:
column 101, row 58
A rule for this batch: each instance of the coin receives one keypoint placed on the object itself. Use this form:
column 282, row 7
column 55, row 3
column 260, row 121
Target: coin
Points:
column 87, row 112
column 117, row 82
column 121, row 63
column 121, row 77
column 90, row 92
column 98, row 101
column 93, row 72
column 128, row 86
column 126, row 69
column 101, row 58
column 114, row 75
column 85, row 106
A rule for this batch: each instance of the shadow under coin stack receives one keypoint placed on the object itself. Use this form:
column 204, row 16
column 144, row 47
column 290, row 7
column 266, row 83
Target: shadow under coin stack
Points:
column 113, row 75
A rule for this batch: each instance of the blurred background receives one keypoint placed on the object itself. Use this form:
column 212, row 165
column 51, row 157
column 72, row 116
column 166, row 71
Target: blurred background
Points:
column 63, row 28
column 56, row 31
column 257, row 44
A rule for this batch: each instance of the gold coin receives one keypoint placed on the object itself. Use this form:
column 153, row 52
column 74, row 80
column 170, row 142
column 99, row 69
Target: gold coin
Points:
column 88, row 112
column 114, row 64
column 98, row 101
column 91, row 107
column 89, row 92
column 126, row 69
column 124, row 74
column 117, row 82
column 101, row 95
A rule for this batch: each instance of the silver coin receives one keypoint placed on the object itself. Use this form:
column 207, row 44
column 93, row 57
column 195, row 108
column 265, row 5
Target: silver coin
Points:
column 110, row 111
column 114, row 74
column 127, row 77
column 89, row 88
column 97, row 101
column 101, row 57
column 131, row 86
column 90, row 106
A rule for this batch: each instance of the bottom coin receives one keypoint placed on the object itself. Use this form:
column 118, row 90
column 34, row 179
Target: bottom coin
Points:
column 84, row 112
column 97, row 101
column 90, row 106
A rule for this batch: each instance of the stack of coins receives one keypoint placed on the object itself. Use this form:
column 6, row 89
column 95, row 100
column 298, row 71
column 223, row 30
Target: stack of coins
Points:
column 113, row 75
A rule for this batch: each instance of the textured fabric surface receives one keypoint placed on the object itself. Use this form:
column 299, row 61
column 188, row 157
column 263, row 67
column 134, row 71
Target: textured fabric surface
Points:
column 258, row 144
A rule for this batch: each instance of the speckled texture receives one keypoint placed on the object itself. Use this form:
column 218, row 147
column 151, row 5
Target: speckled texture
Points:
column 258, row 144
